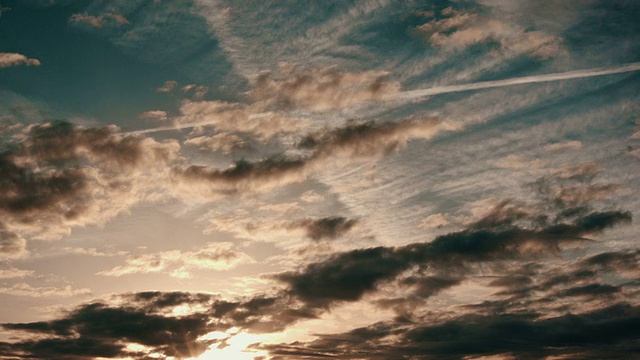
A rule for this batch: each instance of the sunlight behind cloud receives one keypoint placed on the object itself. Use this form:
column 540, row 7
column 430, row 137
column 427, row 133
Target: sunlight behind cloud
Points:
column 234, row 346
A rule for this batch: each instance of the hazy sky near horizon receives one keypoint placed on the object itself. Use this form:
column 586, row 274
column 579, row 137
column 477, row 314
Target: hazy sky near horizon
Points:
column 200, row 179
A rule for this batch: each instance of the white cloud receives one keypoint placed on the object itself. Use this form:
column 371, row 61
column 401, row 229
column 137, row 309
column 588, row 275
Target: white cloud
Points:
column 24, row 289
column 168, row 86
column 99, row 21
column 215, row 256
column 13, row 273
column 434, row 221
column 223, row 142
column 311, row 196
column 157, row 115
column 93, row 252
column 564, row 146
column 15, row 59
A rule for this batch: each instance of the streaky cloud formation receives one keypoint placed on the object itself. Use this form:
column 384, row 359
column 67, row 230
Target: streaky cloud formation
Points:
column 288, row 89
column 578, row 74
column 609, row 332
column 348, row 276
column 359, row 141
column 366, row 179
column 216, row 256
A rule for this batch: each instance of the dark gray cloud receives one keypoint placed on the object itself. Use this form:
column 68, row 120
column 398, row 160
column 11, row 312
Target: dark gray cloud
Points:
column 245, row 175
column 428, row 286
column 573, row 188
column 508, row 233
column 591, row 290
column 79, row 348
column 98, row 330
column 366, row 141
column 325, row 228
column 617, row 261
column 610, row 332
column 58, row 174
column 154, row 301
column 12, row 245
column 372, row 139
column 348, row 276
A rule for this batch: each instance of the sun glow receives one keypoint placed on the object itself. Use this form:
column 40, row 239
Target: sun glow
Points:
column 234, row 346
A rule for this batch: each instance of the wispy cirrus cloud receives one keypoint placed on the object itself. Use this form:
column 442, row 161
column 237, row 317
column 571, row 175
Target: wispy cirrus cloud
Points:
column 14, row 273
column 100, row 20
column 24, row 289
column 367, row 141
column 214, row 256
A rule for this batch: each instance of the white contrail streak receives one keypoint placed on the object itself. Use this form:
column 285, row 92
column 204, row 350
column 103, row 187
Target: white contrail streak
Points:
column 417, row 94
column 579, row 74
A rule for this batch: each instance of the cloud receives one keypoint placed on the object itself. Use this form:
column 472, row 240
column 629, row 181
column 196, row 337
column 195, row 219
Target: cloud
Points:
column 609, row 332
column 366, row 141
column 223, row 142
column 321, row 90
column 12, row 245
column 97, row 330
column 214, row 256
column 276, row 98
column 623, row 263
column 244, row 175
column 311, row 197
column 13, row 273
column 199, row 91
column 146, row 319
column 348, row 276
column 23, row 289
column 373, row 140
column 168, row 86
column 566, row 145
column 236, row 117
column 99, row 21
column 325, row 228
column 58, row 175
column 434, row 221
column 174, row 323
column 15, row 59
column 157, row 115
column 572, row 187
column 518, row 162
column 578, row 74
column 93, row 252
column 458, row 30
column 159, row 301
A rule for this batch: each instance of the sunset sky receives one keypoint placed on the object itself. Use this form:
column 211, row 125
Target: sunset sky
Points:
column 218, row 179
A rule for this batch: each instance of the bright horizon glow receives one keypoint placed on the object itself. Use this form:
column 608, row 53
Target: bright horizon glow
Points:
column 236, row 349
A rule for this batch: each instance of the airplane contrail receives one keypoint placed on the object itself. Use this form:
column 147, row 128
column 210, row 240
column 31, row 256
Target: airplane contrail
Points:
column 417, row 94
column 579, row 74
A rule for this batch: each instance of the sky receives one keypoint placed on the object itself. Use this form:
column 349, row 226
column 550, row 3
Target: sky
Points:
column 217, row 179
